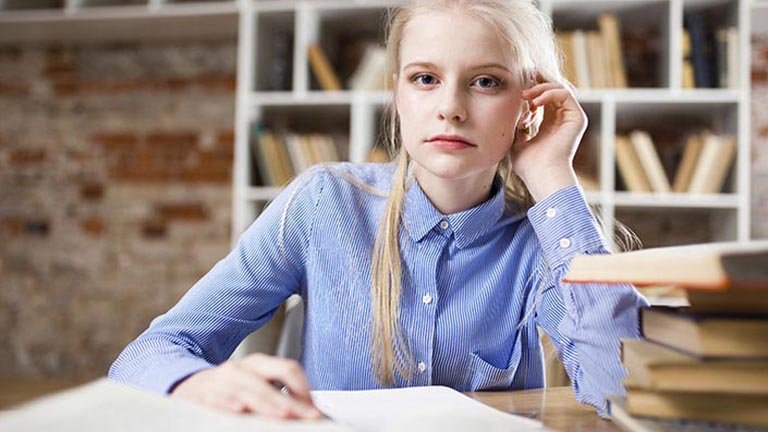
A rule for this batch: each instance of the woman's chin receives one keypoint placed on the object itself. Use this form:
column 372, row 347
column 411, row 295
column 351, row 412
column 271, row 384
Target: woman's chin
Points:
column 448, row 168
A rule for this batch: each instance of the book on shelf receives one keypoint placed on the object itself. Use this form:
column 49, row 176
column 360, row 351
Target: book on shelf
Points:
column 272, row 159
column 629, row 166
column 370, row 72
column 322, row 68
column 565, row 45
column 714, row 266
column 691, row 152
column 581, row 61
column 650, row 161
column 714, row 161
column 599, row 66
column 689, row 80
column 609, row 29
column 714, row 52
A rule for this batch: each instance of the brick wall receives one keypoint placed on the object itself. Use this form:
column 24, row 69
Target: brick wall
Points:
column 115, row 193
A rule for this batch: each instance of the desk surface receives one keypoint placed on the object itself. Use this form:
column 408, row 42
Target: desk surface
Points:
column 556, row 407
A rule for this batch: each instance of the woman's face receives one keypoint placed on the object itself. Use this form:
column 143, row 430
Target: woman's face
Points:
column 455, row 78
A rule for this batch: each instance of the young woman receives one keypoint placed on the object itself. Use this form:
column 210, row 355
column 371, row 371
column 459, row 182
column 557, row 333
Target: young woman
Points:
column 434, row 269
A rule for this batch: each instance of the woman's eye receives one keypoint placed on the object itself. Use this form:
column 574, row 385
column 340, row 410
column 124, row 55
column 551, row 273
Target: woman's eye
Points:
column 488, row 82
column 418, row 79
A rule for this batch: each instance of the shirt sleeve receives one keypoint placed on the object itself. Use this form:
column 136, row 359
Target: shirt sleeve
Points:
column 236, row 297
column 586, row 322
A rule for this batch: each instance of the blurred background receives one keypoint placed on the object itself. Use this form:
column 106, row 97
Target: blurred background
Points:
column 138, row 139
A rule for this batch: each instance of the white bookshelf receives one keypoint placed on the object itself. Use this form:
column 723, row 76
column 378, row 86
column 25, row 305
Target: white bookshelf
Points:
column 610, row 110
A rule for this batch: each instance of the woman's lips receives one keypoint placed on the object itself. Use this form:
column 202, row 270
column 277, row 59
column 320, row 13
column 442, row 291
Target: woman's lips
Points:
column 450, row 144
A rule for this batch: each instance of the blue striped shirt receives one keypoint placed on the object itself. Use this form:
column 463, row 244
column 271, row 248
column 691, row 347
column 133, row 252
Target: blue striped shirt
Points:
column 476, row 285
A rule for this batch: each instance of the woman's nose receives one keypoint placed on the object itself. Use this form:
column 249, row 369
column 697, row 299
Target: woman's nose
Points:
column 452, row 106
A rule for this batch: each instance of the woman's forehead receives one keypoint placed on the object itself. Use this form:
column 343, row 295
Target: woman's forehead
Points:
column 446, row 39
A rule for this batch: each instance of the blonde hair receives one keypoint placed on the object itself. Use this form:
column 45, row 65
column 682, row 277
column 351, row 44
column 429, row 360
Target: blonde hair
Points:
column 527, row 32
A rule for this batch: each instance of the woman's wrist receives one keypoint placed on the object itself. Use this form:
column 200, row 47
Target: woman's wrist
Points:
column 550, row 180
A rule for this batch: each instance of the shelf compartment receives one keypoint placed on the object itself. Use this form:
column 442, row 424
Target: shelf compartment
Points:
column 330, row 120
column 344, row 34
column 644, row 34
column 679, row 226
column 670, row 126
column 703, row 20
column 274, row 56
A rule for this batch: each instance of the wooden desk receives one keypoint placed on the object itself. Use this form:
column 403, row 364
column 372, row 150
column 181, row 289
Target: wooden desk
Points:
column 556, row 407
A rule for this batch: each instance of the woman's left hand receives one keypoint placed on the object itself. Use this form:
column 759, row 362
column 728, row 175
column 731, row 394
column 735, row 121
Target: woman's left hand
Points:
column 545, row 161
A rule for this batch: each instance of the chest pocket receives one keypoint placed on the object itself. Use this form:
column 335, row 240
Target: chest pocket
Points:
column 482, row 375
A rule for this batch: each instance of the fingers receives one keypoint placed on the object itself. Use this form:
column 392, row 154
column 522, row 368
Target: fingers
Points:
column 244, row 386
column 262, row 397
column 550, row 92
column 287, row 371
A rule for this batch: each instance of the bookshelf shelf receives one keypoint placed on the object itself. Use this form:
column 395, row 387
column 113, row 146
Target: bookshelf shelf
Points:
column 25, row 21
column 676, row 200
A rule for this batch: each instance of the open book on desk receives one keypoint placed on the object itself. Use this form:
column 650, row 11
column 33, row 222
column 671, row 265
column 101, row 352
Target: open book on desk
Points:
column 104, row 405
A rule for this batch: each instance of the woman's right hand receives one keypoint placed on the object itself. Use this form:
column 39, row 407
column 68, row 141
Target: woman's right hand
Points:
column 245, row 385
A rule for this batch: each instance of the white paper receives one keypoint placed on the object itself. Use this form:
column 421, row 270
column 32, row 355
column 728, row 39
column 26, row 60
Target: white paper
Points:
column 106, row 406
column 432, row 408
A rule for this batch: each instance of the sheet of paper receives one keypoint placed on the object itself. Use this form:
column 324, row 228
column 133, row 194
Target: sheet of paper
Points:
column 433, row 408
column 105, row 406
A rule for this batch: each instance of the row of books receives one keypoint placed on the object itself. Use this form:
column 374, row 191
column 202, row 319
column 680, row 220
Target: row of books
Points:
column 279, row 157
column 710, row 54
column 704, row 364
column 594, row 58
column 369, row 73
column 705, row 163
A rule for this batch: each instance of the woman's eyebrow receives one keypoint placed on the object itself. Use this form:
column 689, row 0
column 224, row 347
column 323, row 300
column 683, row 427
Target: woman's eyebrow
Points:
column 480, row 66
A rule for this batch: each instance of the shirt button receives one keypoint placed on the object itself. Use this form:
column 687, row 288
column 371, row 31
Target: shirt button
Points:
column 565, row 242
column 444, row 224
column 427, row 299
column 422, row 367
column 551, row 212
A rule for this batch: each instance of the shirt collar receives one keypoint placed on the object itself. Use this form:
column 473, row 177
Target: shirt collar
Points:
column 420, row 216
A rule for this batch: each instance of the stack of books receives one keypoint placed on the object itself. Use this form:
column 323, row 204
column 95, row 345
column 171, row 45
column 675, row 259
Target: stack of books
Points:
column 705, row 363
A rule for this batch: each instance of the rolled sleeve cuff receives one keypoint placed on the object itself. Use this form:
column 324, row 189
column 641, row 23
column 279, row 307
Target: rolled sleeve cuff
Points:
column 163, row 378
column 565, row 226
